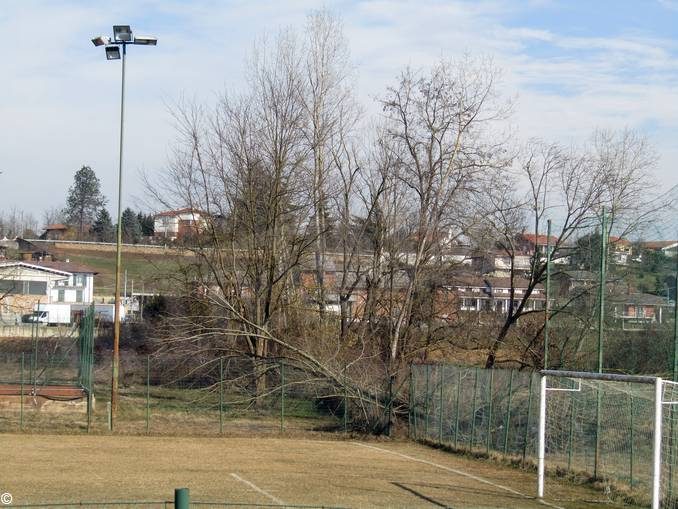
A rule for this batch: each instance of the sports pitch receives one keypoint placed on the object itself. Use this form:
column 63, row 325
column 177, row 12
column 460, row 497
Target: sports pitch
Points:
column 272, row 471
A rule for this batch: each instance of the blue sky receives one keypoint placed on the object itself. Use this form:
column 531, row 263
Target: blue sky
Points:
column 571, row 66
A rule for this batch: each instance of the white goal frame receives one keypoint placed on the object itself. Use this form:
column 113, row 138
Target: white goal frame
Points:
column 657, row 382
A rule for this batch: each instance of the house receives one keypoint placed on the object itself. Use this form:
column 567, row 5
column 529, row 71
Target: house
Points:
column 620, row 250
column 56, row 231
column 26, row 283
column 570, row 282
column 668, row 247
column 455, row 255
column 531, row 243
column 31, row 251
column 498, row 263
column 494, row 294
column 639, row 308
column 178, row 224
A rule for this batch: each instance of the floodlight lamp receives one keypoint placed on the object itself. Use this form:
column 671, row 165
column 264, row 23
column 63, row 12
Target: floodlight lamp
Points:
column 101, row 40
column 122, row 33
column 146, row 40
column 112, row 53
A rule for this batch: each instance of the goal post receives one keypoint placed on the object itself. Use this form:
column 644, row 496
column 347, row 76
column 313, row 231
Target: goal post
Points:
column 608, row 427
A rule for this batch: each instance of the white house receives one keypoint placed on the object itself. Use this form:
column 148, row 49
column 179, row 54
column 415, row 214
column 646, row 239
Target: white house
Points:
column 177, row 224
column 26, row 283
column 78, row 288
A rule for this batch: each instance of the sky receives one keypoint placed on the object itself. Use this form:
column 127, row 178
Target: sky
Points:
column 570, row 66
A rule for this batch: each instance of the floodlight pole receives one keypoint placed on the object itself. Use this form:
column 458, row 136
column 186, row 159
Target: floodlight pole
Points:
column 122, row 36
column 115, row 368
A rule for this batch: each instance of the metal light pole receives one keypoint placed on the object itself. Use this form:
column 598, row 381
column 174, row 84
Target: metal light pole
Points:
column 122, row 36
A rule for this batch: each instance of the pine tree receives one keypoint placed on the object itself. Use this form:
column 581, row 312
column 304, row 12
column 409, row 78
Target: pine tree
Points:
column 102, row 229
column 84, row 199
column 147, row 223
column 131, row 229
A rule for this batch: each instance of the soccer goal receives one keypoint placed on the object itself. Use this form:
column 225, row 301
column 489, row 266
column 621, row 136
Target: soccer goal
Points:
column 618, row 430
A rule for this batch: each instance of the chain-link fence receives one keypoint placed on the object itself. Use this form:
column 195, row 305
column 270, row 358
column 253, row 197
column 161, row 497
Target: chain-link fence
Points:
column 44, row 389
column 475, row 409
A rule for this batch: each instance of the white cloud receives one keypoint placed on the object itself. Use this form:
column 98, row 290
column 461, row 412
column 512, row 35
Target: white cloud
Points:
column 60, row 99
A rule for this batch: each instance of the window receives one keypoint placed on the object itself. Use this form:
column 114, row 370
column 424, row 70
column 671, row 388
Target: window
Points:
column 9, row 287
column 468, row 304
column 78, row 296
column 61, row 296
column 79, row 280
column 18, row 287
column 36, row 287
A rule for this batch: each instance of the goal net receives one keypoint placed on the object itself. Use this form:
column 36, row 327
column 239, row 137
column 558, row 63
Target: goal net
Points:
column 615, row 430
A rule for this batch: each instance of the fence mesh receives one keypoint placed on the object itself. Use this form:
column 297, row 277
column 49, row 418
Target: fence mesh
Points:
column 164, row 393
column 601, row 430
column 475, row 409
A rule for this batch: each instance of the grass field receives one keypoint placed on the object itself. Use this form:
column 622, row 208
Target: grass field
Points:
column 263, row 470
column 149, row 269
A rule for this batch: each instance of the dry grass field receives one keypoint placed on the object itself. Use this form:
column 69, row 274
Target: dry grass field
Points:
column 264, row 470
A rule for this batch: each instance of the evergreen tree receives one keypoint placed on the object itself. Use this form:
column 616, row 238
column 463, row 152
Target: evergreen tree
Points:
column 84, row 200
column 131, row 229
column 102, row 229
column 147, row 223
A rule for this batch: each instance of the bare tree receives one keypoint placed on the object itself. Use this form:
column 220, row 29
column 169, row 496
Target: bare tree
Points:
column 571, row 186
column 331, row 114
column 437, row 132
column 17, row 223
column 53, row 215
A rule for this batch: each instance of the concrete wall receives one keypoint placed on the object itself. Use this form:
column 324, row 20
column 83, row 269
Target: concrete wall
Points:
column 110, row 247
column 24, row 331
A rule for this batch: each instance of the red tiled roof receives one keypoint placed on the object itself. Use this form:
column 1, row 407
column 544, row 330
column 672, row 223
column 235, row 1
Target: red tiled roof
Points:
column 658, row 244
column 619, row 241
column 56, row 226
column 539, row 240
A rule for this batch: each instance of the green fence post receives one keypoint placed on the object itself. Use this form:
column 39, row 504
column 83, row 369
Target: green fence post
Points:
column 221, row 395
column 632, row 438
column 410, row 401
column 529, row 413
column 148, row 393
column 456, row 408
column 489, row 413
column 570, row 440
column 89, row 410
column 389, row 421
column 345, row 399
column 601, row 325
column 182, row 498
column 415, row 409
column 440, row 404
column 507, row 422
column 596, row 452
column 282, row 396
column 473, row 410
column 426, row 401
column 21, row 404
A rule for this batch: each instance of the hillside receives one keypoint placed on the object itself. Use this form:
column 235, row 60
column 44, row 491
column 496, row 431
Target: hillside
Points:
column 147, row 271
